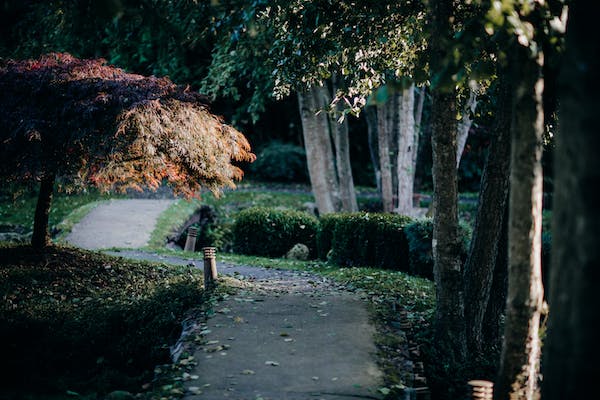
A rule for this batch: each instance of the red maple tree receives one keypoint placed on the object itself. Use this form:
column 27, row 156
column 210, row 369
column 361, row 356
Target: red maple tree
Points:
column 83, row 122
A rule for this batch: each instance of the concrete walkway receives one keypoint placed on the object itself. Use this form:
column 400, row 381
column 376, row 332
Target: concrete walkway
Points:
column 286, row 335
column 124, row 223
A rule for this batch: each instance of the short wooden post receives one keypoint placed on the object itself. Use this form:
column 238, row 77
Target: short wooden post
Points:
column 210, row 267
column 482, row 390
column 190, row 241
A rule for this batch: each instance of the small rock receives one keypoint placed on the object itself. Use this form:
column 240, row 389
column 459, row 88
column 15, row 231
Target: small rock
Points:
column 298, row 252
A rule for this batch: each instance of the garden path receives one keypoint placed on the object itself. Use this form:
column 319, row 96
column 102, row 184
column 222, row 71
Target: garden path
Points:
column 284, row 335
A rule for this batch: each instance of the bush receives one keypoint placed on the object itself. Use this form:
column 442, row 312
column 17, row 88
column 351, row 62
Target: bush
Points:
column 280, row 162
column 327, row 224
column 419, row 235
column 272, row 232
column 365, row 239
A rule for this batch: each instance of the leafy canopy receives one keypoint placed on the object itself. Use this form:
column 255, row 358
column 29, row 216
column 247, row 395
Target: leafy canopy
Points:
column 87, row 122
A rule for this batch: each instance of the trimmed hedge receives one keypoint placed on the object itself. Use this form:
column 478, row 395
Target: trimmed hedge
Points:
column 364, row 239
column 419, row 235
column 271, row 232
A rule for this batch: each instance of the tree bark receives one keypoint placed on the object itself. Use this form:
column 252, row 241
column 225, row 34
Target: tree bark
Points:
column 571, row 349
column 480, row 265
column 319, row 153
column 519, row 368
column 342, row 157
column 41, row 235
column 407, row 140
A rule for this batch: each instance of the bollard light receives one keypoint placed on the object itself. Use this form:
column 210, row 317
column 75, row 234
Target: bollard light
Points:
column 190, row 242
column 481, row 390
column 210, row 266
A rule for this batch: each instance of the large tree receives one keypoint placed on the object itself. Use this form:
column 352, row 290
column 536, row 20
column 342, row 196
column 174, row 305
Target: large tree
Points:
column 571, row 348
column 85, row 122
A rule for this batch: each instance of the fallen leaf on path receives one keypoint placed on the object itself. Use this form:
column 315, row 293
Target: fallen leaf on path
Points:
column 248, row 372
column 272, row 363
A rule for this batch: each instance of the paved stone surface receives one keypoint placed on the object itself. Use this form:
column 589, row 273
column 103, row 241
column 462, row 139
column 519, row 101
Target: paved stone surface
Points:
column 118, row 223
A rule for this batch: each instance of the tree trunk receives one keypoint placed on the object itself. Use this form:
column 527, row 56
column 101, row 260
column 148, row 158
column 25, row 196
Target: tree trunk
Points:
column 493, row 320
column 518, row 376
column 571, row 349
column 319, row 154
column 41, row 235
column 342, row 157
column 407, row 140
column 449, row 327
column 464, row 126
column 418, row 118
column 385, row 166
column 480, row 265
column 371, row 118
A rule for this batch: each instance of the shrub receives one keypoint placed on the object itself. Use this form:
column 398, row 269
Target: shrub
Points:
column 419, row 235
column 280, row 162
column 366, row 239
column 272, row 232
column 327, row 224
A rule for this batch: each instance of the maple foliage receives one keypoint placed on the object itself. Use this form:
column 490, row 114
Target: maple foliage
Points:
column 87, row 122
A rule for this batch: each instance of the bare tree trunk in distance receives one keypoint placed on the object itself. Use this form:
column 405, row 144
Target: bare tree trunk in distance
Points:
column 480, row 264
column 571, row 349
column 41, row 236
column 342, row 157
column 518, row 377
column 407, row 142
column 371, row 118
column 384, row 157
column 464, row 126
column 319, row 154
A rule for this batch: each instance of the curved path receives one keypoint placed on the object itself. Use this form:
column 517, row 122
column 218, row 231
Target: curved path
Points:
column 285, row 335
column 123, row 223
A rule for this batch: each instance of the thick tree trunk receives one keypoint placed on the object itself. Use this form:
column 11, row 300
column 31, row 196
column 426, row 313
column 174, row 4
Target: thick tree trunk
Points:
column 480, row 265
column 449, row 327
column 319, row 153
column 519, row 369
column 342, row 157
column 41, row 235
column 407, row 140
column 571, row 349
column 371, row 118
column 385, row 165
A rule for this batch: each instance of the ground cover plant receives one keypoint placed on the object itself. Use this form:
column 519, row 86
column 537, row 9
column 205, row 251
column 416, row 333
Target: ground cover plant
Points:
column 78, row 322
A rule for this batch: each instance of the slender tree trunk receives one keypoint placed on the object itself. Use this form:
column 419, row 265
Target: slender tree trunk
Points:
column 41, row 236
column 384, row 157
column 519, row 369
column 407, row 140
column 449, row 327
column 319, row 154
column 464, row 126
column 493, row 320
column 572, row 349
column 480, row 265
column 371, row 118
column 342, row 157
column 418, row 118
column 393, row 105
